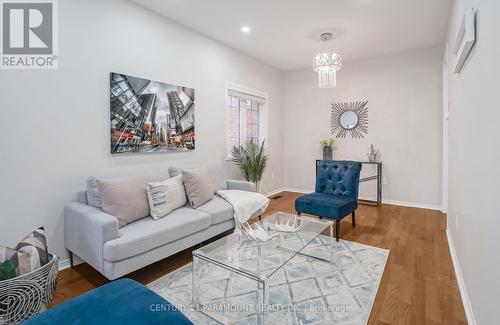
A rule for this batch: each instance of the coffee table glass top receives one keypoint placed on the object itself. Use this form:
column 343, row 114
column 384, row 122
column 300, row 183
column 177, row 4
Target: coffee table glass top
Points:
column 237, row 252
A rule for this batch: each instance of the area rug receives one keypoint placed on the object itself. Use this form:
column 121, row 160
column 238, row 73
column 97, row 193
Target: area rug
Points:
column 304, row 291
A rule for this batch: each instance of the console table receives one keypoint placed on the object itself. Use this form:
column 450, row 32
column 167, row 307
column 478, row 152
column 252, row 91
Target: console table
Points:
column 378, row 178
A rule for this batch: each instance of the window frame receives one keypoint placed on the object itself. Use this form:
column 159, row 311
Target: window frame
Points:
column 262, row 120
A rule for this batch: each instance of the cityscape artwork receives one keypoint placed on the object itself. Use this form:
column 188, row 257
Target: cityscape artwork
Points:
column 150, row 116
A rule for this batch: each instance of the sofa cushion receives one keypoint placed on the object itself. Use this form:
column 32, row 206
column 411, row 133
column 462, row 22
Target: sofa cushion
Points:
column 124, row 198
column 166, row 196
column 199, row 186
column 146, row 234
column 219, row 209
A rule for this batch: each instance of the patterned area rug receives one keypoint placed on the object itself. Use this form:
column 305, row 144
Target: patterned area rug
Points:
column 304, row 291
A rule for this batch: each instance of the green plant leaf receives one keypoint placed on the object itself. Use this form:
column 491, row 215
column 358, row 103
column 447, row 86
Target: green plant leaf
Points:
column 251, row 159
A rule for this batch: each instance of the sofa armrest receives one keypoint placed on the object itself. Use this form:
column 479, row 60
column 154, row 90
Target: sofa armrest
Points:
column 233, row 184
column 86, row 229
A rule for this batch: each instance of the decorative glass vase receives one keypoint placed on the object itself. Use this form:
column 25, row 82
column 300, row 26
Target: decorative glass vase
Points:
column 327, row 153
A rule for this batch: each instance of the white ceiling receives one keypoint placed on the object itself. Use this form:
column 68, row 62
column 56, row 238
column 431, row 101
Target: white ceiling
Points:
column 285, row 33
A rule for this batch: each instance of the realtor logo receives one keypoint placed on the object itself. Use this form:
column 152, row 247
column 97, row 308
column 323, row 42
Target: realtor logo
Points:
column 28, row 35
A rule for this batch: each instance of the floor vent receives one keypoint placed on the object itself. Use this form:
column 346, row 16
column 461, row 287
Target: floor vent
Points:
column 276, row 197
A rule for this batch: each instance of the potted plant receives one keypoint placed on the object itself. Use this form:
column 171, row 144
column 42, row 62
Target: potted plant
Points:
column 252, row 160
column 327, row 146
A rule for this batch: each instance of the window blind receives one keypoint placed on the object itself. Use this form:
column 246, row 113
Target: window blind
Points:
column 241, row 95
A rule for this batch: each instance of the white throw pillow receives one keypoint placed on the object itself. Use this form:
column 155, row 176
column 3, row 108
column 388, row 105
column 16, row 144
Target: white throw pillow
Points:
column 166, row 196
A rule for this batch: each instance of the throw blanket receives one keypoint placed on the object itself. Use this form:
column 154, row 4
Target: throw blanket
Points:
column 245, row 204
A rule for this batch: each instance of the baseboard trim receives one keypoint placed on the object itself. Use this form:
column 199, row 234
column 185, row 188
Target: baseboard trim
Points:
column 273, row 192
column 296, row 190
column 471, row 320
column 413, row 204
column 286, row 189
column 385, row 201
column 63, row 264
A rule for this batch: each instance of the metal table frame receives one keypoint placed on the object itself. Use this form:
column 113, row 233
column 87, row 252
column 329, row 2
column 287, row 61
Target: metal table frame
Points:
column 263, row 288
column 378, row 178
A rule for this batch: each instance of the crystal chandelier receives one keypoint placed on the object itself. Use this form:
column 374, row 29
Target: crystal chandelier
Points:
column 326, row 64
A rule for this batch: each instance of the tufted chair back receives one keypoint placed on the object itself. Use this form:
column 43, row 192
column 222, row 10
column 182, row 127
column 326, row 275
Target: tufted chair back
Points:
column 338, row 177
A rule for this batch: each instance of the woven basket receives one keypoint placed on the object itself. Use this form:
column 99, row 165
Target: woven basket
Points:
column 29, row 294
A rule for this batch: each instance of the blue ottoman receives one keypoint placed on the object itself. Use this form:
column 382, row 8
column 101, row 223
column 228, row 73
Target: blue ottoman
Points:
column 120, row 302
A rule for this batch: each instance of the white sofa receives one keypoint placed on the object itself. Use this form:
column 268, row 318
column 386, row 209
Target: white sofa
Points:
column 95, row 236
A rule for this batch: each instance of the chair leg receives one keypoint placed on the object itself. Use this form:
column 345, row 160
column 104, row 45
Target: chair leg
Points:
column 354, row 218
column 337, row 229
column 70, row 255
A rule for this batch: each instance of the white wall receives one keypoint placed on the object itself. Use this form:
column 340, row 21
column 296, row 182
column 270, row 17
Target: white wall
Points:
column 474, row 143
column 55, row 124
column 403, row 91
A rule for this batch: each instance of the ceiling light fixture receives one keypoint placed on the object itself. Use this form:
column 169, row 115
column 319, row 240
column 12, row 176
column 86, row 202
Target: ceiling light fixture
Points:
column 245, row 29
column 326, row 63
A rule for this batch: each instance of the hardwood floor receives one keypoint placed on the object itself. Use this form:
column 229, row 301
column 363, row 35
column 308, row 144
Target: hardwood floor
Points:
column 418, row 285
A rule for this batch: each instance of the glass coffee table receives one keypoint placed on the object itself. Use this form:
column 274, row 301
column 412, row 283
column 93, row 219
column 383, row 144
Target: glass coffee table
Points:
column 229, row 252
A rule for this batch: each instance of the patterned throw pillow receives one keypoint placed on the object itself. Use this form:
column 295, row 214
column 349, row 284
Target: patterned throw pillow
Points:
column 166, row 196
column 20, row 261
column 35, row 246
column 29, row 254
column 7, row 270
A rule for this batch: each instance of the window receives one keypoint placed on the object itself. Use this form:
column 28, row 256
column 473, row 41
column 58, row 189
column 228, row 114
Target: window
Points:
column 244, row 111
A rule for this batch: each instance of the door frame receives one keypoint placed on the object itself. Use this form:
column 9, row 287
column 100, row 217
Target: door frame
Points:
column 446, row 114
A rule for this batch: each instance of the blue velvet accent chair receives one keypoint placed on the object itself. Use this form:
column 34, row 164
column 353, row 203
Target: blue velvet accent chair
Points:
column 336, row 192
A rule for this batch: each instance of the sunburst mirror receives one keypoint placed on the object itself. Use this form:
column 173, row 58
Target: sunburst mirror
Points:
column 349, row 118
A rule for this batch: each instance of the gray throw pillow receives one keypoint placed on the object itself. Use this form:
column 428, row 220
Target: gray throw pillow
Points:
column 199, row 186
column 93, row 195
